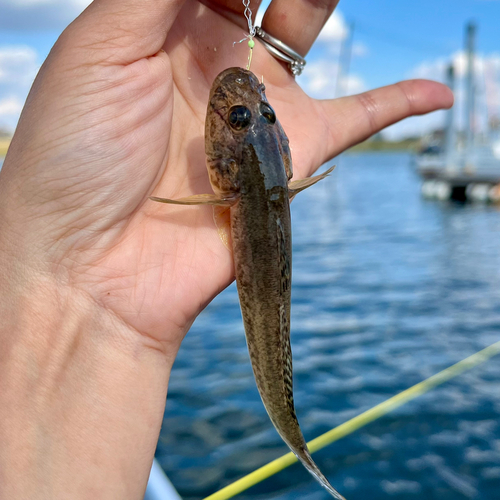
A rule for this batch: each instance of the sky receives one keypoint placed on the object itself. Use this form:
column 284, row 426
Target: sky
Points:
column 392, row 40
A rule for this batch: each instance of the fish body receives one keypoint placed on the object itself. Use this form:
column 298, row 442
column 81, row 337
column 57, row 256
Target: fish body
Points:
column 249, row 165
column 260, row 167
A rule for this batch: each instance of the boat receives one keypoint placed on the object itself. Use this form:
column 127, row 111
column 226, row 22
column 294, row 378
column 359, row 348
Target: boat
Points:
column 463, row 166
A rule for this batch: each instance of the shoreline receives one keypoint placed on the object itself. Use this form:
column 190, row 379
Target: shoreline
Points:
column 371, row 146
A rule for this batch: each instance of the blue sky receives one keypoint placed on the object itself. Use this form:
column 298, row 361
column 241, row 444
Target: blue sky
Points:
column 402, row 34
column 392, row 40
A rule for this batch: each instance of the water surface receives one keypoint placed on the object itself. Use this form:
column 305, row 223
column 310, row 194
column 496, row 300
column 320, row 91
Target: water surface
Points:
column 388, row 289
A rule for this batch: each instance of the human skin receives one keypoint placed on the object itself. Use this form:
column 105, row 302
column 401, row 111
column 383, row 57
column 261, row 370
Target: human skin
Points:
column 99, row 285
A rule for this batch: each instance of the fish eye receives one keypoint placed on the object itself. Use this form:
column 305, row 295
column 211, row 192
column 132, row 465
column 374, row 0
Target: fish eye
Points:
column 239, row 117
column 267, row 112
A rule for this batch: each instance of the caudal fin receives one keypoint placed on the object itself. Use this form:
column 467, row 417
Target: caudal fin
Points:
column 306, row 460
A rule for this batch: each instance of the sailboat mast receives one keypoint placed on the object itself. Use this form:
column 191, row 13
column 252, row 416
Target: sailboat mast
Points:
column 449, row 144
column 345, row 55
column 470, row 88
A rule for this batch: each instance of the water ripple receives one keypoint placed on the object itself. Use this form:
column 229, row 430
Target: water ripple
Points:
column 388, row 289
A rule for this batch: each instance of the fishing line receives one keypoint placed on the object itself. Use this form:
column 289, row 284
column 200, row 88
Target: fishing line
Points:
column 251, row 32
column 357, row 422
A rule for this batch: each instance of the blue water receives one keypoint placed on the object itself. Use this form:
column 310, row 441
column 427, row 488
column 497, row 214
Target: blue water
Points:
column 388, row 289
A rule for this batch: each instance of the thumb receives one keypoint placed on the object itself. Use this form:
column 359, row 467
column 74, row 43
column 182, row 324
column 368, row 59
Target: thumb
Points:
column 122, row 31
column 355, row 118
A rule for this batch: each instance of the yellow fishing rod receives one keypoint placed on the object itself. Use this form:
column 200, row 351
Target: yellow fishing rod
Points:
column 357, row 422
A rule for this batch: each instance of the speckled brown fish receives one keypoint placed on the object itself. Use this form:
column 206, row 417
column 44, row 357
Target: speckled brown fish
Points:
column 250, row 165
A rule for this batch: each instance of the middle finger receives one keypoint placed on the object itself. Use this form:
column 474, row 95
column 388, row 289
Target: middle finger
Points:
column 297, row 23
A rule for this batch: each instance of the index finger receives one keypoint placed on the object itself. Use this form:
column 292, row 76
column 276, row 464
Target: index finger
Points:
column 353, row 119
column 123, row 31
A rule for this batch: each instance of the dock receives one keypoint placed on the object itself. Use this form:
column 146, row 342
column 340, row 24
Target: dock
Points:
column 466, row 165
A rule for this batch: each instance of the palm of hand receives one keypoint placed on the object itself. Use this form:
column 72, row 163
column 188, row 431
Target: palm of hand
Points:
column 112, row 132
column 126, row 129
column 181, row 262
column 169, row 261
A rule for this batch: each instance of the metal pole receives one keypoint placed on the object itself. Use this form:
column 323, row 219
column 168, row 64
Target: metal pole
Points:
column 341, row 86
column 449, row 144
column 470, row 91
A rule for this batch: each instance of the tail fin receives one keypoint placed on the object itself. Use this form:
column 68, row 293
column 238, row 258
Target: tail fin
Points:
column 307, row 461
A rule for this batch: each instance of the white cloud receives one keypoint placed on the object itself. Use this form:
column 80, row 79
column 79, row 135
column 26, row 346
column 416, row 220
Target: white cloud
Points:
column 321, row 76
column 335, row 30
column 18, row 65
column 10, row 106
column 353, row 84
column 320, row 80
column 18, row 68
column 359, row 49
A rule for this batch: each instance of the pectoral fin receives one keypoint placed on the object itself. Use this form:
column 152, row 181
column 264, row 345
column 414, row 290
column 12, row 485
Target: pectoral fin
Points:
column 197, row 199
column 295, row 187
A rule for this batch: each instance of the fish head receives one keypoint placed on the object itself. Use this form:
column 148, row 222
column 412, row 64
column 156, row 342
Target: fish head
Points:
column 238, row 113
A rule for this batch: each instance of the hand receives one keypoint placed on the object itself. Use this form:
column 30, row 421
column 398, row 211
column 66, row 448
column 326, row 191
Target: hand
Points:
column 112, row 117
column 117, row 112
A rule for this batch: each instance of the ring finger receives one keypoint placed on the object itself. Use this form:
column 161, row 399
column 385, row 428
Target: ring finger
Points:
column 297, row 23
